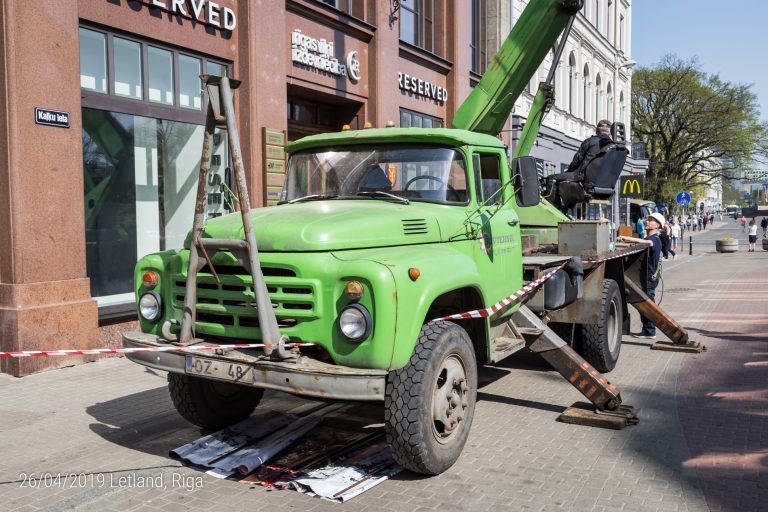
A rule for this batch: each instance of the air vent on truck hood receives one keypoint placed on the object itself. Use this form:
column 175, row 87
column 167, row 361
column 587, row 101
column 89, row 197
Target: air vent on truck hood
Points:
column 415, row 226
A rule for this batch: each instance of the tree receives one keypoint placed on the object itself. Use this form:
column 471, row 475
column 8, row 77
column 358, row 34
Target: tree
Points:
column 696, row 127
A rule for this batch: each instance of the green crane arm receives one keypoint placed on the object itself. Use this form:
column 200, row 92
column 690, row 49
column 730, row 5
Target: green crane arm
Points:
column 488, row 106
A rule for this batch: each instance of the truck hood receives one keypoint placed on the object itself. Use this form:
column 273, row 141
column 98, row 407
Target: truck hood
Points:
column 332, row 225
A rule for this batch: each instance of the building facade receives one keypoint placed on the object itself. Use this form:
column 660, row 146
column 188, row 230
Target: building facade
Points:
column 104, row 119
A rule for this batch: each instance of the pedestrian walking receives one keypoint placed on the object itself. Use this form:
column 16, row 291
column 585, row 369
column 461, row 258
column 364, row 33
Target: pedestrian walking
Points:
column 654, row 223
column 676, row 232
column 640, row 228
column 704, row 219
column 764, row 225
column 743, row 223
column 688, row 222
column 752, row 235
column 699, row 220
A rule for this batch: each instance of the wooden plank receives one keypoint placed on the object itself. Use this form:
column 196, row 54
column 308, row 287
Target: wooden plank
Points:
column 688, row 348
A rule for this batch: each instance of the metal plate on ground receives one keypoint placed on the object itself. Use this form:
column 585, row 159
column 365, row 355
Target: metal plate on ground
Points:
column 688, row 348
column 212, row 368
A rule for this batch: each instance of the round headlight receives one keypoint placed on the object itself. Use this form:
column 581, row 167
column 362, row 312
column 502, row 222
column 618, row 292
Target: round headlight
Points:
column 150, row 307
column 355, row 322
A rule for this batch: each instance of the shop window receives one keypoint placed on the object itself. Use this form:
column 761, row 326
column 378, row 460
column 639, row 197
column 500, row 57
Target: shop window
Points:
column 127, row 69
column 142, row 139
column 160, row 76
column 417, row 23
column 190, row 87
column 477, row 45
column 140, row 178
column 93, row 61
column 411, row 119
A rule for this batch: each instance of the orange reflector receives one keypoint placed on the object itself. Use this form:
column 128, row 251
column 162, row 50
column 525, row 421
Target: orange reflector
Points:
column 345, row 128
column 414, row 273
column 149, row 279
column 390, row 124
column 354, row 290
column 367, row 125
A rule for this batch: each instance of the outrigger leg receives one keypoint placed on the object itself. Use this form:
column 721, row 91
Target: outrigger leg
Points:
column 607, row 410
column 665, row 323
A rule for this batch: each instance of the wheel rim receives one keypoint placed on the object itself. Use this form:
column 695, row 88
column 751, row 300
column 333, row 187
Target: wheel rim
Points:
column 449, row 399
column 614, row 340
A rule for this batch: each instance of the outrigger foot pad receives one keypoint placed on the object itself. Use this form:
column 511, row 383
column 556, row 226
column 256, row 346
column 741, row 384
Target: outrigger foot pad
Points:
column 583, row 413
column 690, row 347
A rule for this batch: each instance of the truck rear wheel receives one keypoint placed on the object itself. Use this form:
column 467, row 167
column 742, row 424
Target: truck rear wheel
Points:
column 430, row 402
column 212, row 404
column 601, row 342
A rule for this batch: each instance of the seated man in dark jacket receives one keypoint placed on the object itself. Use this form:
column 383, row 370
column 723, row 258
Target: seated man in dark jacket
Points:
column 591, row 146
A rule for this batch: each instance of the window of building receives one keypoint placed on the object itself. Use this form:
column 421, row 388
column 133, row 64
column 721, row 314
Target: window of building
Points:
column 142, row 131
column 585, row 95
column 411, row 119
column 598, row 98
column 573, row 80
column 93, row 61
column 354, row 8
column 478, row 46
column 124, row 67
column 127, row 69
column 417, row 23
column 611, row 35
column 621, row 32
column 609, row 96
column 160, row 75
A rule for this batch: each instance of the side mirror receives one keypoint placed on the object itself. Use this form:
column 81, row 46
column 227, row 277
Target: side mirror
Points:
column 525, row 176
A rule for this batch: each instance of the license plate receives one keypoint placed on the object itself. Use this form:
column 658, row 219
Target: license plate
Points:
column 219, row 369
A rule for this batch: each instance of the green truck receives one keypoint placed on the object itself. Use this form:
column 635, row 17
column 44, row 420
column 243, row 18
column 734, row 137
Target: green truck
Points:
column 386, row 252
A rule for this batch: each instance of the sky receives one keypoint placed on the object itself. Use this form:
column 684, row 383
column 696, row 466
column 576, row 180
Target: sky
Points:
column 728, row 37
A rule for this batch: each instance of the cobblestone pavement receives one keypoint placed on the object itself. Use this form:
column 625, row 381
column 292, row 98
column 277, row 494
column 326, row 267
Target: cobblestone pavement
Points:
column 106, row 428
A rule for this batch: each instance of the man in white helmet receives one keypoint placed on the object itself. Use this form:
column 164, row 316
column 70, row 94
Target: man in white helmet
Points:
column 653, row 224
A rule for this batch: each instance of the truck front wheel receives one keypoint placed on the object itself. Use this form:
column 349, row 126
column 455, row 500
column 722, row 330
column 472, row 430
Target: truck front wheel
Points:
column 430, row 402
column 601, row 342
column 212, row 404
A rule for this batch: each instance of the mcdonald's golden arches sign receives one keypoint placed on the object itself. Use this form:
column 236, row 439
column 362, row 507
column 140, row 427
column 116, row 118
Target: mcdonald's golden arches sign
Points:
column 632, row 186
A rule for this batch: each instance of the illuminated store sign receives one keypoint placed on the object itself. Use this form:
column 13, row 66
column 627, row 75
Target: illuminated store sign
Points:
column 319, row 54
column 422, row 87
column 204, row 11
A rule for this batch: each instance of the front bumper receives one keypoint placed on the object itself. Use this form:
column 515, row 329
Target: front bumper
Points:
column 305, row 377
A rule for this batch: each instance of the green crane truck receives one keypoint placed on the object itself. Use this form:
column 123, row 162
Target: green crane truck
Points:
column 386, row 252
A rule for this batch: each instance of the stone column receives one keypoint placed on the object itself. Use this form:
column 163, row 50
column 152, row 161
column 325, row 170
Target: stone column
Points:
column 45, row 300
column 384, row 98
column 458, row 20
column 263, row 55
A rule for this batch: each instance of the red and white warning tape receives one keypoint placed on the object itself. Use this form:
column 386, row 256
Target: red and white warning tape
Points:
column 169, row 348
column 482, row 313
column 478, row 313
column 616, row 256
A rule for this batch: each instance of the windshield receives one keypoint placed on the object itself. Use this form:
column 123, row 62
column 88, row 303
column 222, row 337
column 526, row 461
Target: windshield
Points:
column 415, row 173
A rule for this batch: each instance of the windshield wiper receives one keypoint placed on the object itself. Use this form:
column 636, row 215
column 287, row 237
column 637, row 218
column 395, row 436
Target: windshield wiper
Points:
column 311, row 197
column 382, row 194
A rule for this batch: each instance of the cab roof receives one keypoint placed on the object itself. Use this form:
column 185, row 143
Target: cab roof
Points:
column 447, row 136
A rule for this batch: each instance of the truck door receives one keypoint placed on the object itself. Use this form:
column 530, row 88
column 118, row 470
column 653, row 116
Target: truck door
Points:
column 499, row 247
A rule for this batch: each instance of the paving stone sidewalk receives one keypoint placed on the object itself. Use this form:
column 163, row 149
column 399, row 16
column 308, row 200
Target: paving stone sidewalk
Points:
column 107, row 427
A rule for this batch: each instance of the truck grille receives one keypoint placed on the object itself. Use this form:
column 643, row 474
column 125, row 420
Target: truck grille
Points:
column 229, row 308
